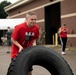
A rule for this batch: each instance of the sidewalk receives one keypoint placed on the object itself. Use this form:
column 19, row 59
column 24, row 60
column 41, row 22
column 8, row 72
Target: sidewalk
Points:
column 4, row 60
column 70, row 57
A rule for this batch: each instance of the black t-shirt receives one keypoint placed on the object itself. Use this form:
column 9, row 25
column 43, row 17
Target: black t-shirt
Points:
column 8, row 34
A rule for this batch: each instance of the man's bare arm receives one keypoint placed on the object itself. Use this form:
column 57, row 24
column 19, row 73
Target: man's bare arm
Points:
column 17, row 44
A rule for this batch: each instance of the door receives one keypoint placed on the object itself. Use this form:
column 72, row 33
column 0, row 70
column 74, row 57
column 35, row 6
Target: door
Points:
column 52, row 21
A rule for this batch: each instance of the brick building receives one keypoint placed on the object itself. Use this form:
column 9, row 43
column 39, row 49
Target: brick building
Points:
column 51, row 15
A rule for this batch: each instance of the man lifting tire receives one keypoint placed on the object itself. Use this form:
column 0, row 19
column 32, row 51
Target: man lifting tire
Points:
column 42, row 56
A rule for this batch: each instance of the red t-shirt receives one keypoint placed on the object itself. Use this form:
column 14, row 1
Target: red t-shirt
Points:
column 25, row 36
column 64, row 32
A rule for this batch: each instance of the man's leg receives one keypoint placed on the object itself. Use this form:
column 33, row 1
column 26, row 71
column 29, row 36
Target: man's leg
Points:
column 9, row 43
column 30, row 73
column 65, row 41
column 61, row 40
column 62, row 44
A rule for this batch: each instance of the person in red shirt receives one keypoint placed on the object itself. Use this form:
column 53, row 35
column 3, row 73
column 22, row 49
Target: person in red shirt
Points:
column 63, row 30
column 25, row 35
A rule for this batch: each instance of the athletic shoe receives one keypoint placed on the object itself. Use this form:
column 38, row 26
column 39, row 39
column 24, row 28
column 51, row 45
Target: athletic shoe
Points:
column 63, row 53
column 8, row 52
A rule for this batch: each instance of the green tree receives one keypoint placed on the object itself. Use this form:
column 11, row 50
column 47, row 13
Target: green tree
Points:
column 3, row 4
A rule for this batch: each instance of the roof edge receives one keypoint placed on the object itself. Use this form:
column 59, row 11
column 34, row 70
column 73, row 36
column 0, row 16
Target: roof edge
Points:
column 16, row 4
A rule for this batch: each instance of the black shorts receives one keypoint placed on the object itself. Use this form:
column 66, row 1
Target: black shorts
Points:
column 9, row 43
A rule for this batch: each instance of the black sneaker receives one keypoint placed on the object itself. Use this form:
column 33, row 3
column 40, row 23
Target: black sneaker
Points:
column 8, row 52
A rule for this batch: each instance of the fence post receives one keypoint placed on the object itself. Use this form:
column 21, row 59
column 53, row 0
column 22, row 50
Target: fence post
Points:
column 53, row 40
column 56, row 39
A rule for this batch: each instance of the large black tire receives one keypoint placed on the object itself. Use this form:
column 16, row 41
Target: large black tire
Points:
column 42, row 56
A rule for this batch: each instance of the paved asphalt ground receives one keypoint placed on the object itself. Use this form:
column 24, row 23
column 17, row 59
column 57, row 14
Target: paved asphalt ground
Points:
column 70, row 57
